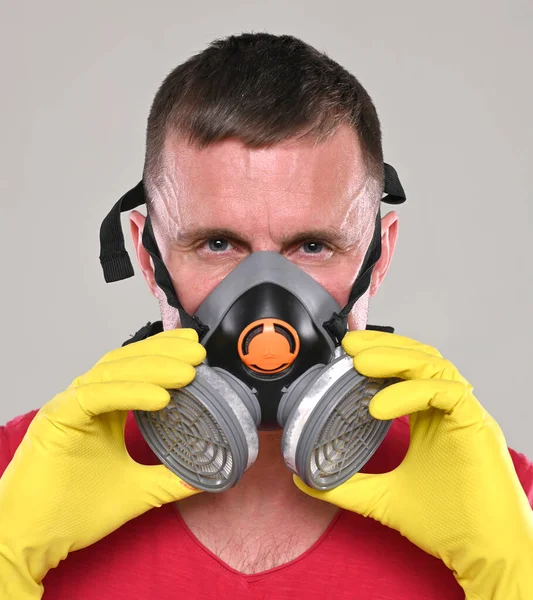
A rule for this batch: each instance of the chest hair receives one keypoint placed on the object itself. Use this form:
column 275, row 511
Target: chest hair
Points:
column 255, row 552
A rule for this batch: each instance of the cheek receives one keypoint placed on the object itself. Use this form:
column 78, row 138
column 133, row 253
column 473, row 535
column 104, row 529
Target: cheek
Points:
column 191, row 292
column 193, row 280
column 337, row 279
column 191, row 289
column 339, row 288
column 339, row 284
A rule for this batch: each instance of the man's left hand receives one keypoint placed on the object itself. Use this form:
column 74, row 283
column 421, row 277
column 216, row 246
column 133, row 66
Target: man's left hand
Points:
column 456, row 494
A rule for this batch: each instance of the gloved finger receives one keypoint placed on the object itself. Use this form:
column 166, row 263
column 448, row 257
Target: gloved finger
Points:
column 100, row 398
column 355, row 342
column 185, row 333
column 166, row 372
column 408, row 397
column 162, row 485
column 173, row 346
column 364, row 493
column 404, row 363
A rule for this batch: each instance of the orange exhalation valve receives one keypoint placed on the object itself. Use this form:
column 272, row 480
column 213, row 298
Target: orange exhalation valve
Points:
column 268, row 345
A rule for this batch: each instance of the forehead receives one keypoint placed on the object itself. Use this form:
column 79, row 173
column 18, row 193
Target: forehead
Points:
column 293, row 180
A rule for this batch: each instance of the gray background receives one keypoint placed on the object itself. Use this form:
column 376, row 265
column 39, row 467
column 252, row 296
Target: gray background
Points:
column 453, row 86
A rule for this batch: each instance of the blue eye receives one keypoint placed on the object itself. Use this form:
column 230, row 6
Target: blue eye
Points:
column 313, row 247
column 218, row 245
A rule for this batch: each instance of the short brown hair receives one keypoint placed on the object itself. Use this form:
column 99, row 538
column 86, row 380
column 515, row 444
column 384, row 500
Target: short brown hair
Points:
column 262, row 89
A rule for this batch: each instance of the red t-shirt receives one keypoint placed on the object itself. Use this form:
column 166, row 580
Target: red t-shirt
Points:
column 156, row 557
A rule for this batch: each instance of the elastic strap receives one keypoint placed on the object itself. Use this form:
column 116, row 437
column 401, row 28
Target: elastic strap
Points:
column 164, row 282
column 338, row 324
column 114, row 259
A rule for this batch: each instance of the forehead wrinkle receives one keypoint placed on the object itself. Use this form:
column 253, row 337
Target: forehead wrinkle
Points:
column 260, row 172
column 353, row 227
column 280, row 167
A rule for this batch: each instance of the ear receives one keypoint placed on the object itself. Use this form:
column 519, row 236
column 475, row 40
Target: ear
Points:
column 143, row 258
column 389, row 234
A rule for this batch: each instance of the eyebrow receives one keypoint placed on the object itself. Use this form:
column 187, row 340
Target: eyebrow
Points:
column 331, row 236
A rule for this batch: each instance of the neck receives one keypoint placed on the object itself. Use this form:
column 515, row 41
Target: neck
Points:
column 264, row 504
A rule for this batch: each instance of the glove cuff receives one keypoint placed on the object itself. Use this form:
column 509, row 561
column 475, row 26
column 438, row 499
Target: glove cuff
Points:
column 502, row 581
column 16, row 583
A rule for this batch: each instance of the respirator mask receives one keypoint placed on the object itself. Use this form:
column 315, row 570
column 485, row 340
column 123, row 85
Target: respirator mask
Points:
column 274, row 360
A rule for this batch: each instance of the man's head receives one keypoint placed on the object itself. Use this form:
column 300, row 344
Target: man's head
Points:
column 262, row 143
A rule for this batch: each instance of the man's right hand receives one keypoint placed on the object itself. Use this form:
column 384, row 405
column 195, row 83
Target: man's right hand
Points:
column 71, row 481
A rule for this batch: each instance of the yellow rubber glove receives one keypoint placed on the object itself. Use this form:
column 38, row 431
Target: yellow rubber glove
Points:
column 456, row 494
column 71, row 481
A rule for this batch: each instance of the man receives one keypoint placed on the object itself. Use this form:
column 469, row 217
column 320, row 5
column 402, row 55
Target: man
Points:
column 260, row 143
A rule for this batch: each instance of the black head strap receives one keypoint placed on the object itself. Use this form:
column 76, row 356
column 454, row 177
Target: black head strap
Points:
column 393, row 188
column 116, row 263
column 164, row 282
column 114, row 258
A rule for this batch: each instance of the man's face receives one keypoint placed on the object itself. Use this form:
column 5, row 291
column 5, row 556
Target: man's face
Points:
column 311, row 202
